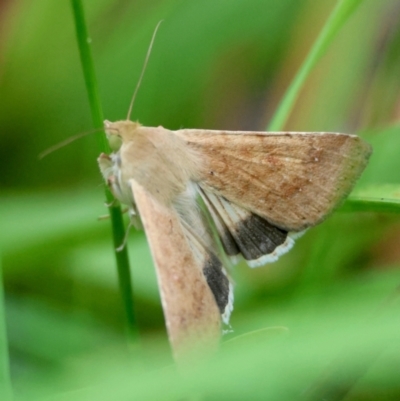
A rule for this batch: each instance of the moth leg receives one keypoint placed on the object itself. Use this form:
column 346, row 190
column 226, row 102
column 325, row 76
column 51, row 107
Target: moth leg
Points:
column 113, row 203
column 125, row 240
column 105, row 165
column 107, row 168
column 107, row 216
column 134, row 221
column 103, row 217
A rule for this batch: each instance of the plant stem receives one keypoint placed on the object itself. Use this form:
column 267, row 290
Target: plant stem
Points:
column 340, row 14
column 124, row 276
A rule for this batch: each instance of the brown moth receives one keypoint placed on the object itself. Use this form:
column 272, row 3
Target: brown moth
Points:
column 259, row 189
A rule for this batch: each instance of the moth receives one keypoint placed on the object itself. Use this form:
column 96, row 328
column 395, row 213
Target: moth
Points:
column 259, row 190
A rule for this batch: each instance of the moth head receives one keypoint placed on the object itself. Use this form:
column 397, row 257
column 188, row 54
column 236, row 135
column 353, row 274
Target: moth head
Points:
column 119, row 132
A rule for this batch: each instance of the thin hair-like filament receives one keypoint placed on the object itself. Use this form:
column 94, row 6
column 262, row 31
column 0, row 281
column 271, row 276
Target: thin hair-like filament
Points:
column 143, row 70
column 69, row 140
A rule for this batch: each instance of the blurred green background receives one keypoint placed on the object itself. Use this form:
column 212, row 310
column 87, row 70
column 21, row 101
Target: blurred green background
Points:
column 326, row 311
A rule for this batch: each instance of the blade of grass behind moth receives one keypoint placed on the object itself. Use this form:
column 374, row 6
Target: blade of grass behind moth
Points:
column 378, row 198
column 5, row 380
column 371, row 204
column 340, row 14
column 124, row 275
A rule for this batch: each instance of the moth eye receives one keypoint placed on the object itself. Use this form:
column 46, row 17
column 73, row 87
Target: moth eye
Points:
column 115, row 142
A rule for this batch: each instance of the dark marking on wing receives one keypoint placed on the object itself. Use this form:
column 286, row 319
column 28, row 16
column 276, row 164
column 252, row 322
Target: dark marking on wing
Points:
column 217, row 281
column 256, row 237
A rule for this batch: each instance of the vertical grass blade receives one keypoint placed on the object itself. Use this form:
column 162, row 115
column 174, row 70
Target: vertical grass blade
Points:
column 124, row 276
column 5, row 380
column 341, row 13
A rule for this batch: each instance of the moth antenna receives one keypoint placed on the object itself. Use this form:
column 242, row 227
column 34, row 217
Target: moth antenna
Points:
column 143, row 70
column 67, row 142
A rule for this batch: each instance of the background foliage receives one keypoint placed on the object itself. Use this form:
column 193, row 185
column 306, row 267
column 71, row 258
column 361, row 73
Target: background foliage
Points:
column 321, row 323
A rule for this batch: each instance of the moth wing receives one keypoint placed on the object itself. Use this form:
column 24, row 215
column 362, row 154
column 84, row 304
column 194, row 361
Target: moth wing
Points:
column 191, row 313
column 292, row 179
column 243, row 232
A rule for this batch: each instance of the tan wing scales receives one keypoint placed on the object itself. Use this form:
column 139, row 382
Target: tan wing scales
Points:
column 291, row 179
column 192, row 317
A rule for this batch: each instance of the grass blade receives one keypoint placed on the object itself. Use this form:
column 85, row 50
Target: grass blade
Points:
column 124, row 276
column 5, row 380
column 339, row 16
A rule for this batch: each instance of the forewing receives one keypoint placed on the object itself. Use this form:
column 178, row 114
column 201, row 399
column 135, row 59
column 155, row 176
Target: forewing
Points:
column 191, row 312
column 292, row 179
